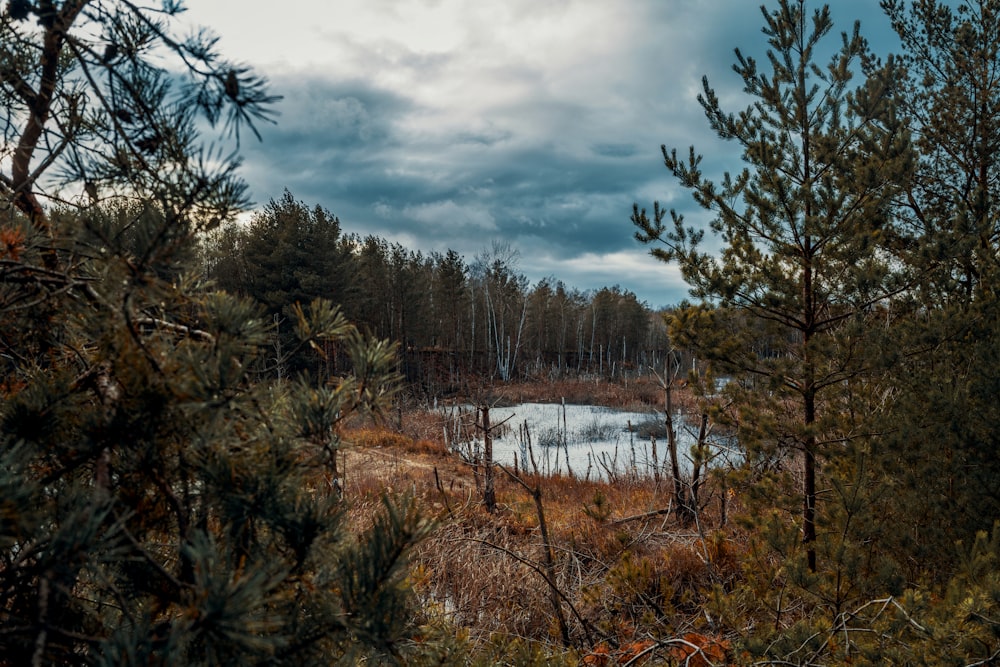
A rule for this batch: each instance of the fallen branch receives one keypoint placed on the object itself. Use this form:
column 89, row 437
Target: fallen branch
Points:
column 645, row 515
column 181, row 329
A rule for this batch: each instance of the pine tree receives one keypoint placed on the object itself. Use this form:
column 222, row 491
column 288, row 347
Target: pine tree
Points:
column 297, row 254
column 788, row 299
column 942, row 456
column 451, row 296
column 156, row 505
column 287, row 254
column 952, row 102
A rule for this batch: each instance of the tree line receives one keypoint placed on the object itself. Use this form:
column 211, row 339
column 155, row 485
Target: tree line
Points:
column 453, row 319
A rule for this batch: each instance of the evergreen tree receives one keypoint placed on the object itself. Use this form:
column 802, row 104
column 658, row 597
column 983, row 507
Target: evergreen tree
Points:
column 224, row 260
column 451, row 300
column 540, row 325
column 801, row 271
column 952, row 103
column 297, row 254
column 87, row 105
column 942, row 456
column 156, row 506
column 375, row 311
column 292, row 254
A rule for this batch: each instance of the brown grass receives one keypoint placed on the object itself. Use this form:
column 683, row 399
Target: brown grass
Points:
column 625, row 567
column 625, row 394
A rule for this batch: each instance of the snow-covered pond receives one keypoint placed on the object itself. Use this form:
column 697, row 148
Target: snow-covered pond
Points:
column 587, row 441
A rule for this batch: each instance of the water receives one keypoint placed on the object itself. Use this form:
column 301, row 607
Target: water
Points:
column 588, row 441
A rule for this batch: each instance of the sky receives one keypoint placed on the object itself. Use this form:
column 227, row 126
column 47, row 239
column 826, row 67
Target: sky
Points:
column 452, row 124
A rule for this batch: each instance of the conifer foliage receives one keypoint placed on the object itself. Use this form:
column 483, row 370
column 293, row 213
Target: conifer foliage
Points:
column 852, row 297
column 800, row 264
column 156, row 506
column 948, row 438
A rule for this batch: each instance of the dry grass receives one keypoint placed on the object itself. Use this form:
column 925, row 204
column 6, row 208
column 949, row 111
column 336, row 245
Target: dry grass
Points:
column 624, row 566
column 626, row 394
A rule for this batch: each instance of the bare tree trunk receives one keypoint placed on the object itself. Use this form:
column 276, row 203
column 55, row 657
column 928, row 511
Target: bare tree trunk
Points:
column 512, row 360
column 489, row 488
column 549, row 561
column 656, row 461
column 680, row 497
column 809, row 484
column 699, row 461
column 675, row 468
column 550, row 565
column 593, row 333
column 565, row 438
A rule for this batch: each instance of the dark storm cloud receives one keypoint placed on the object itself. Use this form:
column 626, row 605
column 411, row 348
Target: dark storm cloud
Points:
column 319, row 115
column 487, row 138
column 341, row 145
column 332, row 138
column 546, row 149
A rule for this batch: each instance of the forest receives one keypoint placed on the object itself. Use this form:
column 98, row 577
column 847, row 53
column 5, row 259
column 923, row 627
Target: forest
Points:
column 272, row 442
column 452, row 319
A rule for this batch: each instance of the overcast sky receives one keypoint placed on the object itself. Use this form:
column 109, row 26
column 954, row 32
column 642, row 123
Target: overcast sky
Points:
column 450, row 123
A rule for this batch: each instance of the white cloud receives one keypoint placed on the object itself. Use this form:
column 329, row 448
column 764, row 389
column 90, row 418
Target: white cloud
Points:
column 448, row 216
column 652, row 281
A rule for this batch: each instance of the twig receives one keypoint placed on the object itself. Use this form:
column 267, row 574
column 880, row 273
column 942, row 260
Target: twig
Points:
column 987, row 661
column 698, row 651
column 444, row 496
column 174, row 328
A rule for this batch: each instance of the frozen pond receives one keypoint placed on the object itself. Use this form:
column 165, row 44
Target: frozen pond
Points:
column 587, row 441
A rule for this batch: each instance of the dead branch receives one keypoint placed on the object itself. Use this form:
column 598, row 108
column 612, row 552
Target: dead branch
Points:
column 644, row 515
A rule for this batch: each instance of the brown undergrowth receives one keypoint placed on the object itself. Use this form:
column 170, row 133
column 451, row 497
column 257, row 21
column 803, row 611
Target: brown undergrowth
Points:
column 633, row 393
column 625, row 571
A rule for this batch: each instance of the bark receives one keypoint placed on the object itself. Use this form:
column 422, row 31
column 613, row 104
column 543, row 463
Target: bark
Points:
column 489, row 483
column 680, row 497
column 700, row 461
column 39, row 104
column 809, row 484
